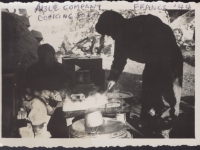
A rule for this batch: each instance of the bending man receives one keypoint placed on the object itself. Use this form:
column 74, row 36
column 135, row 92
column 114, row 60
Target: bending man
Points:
column 146, row 39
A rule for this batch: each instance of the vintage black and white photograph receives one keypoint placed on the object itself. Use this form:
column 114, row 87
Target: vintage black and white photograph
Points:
column 77, row 70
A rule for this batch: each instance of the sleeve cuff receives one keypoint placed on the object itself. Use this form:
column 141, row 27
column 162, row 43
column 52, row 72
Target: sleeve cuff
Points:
column 114, row 75
column 21, row 123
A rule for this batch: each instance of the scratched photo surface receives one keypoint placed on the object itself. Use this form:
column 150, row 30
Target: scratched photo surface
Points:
column 83, row 70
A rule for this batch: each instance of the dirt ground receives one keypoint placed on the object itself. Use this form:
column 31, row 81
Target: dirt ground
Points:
column 131, row 81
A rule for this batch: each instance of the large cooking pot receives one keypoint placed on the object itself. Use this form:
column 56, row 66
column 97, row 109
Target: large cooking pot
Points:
column 110, row 128
column 93, row 117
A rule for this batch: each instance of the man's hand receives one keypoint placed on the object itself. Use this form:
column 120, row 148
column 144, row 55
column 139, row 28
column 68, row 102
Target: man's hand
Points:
column 56, row 96
column 111, row 83
column 60, row 104
column 22, row 114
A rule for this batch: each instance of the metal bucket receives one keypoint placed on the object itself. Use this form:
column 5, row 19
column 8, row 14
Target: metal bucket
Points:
column 93, row 118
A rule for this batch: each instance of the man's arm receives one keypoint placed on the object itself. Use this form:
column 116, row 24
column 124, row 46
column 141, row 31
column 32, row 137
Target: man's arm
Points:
column 38, row 112
column 120, row 58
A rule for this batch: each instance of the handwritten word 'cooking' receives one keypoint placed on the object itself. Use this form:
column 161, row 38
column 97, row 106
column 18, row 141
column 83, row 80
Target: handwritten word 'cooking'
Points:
column 45, row 8
column 69, row 16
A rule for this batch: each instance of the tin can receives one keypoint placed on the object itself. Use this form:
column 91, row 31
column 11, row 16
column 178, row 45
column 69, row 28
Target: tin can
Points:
column 121, row 117
column 78, row 97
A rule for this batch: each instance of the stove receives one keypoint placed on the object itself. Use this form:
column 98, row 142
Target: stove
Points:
column 89, row 77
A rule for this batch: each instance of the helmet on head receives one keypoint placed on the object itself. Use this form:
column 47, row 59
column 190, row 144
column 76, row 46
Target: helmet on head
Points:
column 45, row 49
column 46, row 54
column 108, row 22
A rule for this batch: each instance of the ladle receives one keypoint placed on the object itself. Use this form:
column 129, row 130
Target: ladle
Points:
column 107, row 90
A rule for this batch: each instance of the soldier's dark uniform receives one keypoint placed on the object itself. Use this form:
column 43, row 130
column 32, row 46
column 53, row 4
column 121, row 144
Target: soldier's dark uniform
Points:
column 41, row 76
column 146, row 39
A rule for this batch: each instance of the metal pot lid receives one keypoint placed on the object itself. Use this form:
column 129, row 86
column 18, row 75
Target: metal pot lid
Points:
column 111, row 128
column 119, row 95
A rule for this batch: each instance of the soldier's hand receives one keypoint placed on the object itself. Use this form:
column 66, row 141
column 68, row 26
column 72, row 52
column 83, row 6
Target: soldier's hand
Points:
column 22, row 114
column 60, row 104
column 111, row 83
column 56, row 96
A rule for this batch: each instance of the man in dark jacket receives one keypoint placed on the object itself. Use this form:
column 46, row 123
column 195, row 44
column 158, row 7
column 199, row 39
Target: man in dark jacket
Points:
column 50, row 75
column 146, row 39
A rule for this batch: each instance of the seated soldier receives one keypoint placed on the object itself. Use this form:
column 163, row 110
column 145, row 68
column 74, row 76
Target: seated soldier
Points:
column 48, row 74
column 35, row 109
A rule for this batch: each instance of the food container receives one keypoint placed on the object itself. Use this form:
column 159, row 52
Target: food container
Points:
column 78, row 97
column 125, row 96
column 93, row 117
column 121, row 117
column 110, row 128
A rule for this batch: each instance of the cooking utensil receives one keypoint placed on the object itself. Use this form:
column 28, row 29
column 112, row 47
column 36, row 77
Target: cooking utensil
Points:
column 107, row 90
column 119, row 95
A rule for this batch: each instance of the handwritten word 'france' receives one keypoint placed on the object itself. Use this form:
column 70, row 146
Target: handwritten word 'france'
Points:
column 159, row 7
column 44, row 8
column 149, row 7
